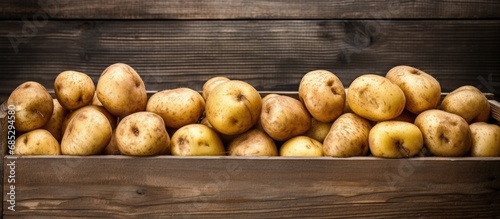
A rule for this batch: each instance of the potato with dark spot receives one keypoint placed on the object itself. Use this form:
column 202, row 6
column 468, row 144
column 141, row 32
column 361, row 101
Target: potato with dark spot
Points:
column 55, row 124
column 74, row 89
column 37, row 142
column 142, row 134
column 87, row 133
column 121, row 90
column 284, row 117
column 33, row 106
column 301, row 146
column 445, row 134
column 375, row 98
column 178, row 107
column 197, row 140
column 469, row 103
column 233, row 107
column 323, row 95
column 348, row 137
column 254, row 142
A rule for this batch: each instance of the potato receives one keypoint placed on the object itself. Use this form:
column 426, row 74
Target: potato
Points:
column 301, row 146
column 323, row 95
column 422, row 91
column 197, row 140
column 178, row 107
column 233, row 107
column 284, row 117
column 87, row 133
column 121, row 90
column 318, row 130
column 226, row 139
column 485, row 140
column 210, row 84
column 112, row 119
column 112, row 147
column 142, row 134
column 445, row 134
column 348, row 137
column 375, row 98
column 37, row 142
column 395, row 139
column 254, row 142
column 33, row 106
column 73, row 89
column 55, row 124
column 469, row 103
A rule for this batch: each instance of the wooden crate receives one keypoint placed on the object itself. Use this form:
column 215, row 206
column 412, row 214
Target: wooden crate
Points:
column 270, row 44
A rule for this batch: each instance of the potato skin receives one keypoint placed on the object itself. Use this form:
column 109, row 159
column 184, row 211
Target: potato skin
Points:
column 469, row 103
column 254, row 142
column 178, row 107
column 111, row 118
column 284, row 117
column 73, row 89
column 55, row 124
column 197, row 140
column 323, row 95
column 121, row 90
column 301, row 146
column 37, row 142
column 33, row 106
column 347, row 137
column 87, row 133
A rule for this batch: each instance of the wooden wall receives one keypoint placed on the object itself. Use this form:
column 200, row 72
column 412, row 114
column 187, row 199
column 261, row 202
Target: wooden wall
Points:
column 269, row 44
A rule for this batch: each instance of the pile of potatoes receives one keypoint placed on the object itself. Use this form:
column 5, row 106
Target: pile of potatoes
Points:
column 396, row 116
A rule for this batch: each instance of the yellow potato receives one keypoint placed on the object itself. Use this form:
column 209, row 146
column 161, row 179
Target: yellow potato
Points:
column 347, row 137
column 111, row 118
column 37, row 142
column 33, row 106
column 323, row 95
column 55, row 124
column 178, row 107
column 253, row 143
column 469, row 103
column 301, row 146
column 395, row 139
column 318, row 130
column 197, row 140
column 73, row 89
column 210, row 84
column 485, row 139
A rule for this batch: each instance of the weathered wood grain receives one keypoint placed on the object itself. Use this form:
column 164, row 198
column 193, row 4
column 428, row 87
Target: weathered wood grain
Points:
column 271, row 55
column 245, row 9
column 215, row 187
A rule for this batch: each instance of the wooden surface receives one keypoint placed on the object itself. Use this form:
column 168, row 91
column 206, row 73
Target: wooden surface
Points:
column 271, row 55
column 244, row 9
column 215, row 187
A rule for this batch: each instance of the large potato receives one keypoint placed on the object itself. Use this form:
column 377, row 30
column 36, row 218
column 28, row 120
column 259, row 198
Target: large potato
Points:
column 73, row 89
column 37, row 142
column 323, row 95
column 375, row 98
column 469, row 103
column 284, row 117
column 233, row 107
column 422, row 91
column 347, row 137
column 210, row 84
column 445, row 134
column 111, row 118
column 55, row 124
column 121, row 90
column 87, row 133
column 253, row 143
column 197, row 140
column 33, row 106
column 178, row 107
column 142, row 134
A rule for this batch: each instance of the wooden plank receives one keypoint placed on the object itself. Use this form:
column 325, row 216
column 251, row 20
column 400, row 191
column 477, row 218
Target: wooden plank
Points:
column 214, row 187
column 271, row 55
column 245, row 9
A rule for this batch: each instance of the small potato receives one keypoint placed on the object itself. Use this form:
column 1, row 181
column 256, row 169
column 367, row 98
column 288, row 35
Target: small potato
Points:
column 197, row 140
column 121, row 90
column 33, row 106
column 485, row 140
column 318, row 130
column 55, row 124
column 375, row 98
column 87, row 133
column 469, row 103
column 301, row 146
column 348, row 137
column 112, row 119
column 37, row 142
column 253, row 143
column 323, row 95
column 142, row 134
column 73, row 89
column 284, row 117
column 211, row 83
column 177, row 107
